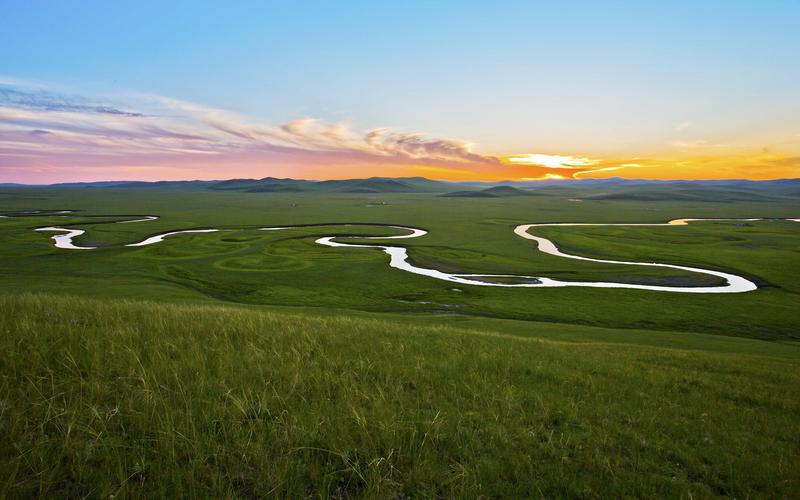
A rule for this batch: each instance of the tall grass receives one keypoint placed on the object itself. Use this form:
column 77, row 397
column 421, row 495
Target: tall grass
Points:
column 133, row 399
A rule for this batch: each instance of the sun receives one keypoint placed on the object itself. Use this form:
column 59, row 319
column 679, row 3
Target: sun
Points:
column 551, row 161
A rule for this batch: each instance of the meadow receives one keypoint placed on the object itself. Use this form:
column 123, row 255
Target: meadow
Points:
column 287, row 268
column 252, row 363
column 137, row 399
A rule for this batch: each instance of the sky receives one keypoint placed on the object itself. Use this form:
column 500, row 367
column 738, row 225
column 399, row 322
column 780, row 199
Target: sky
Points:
column 147, row 90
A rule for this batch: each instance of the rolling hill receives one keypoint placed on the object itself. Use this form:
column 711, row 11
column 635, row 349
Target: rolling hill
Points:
column 613, row 189
column 680, row 193
column 492, row 192
column 370, row 185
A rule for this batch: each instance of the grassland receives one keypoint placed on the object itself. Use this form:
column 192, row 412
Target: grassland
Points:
column 249, row 364
column 135, row 399
column 466, row 235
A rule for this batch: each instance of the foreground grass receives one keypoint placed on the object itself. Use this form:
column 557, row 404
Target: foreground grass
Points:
column 102, row 398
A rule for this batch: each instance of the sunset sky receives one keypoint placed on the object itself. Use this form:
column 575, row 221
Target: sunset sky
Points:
column 446, row 90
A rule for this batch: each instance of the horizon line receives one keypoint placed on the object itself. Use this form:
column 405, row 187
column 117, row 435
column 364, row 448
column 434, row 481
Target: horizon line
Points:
column 546, row 180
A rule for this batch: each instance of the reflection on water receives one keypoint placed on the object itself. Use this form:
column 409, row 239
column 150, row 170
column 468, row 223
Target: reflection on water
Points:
column 398, row 256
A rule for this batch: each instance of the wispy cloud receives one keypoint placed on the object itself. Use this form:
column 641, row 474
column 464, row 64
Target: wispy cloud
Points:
column 39, row 126
column 47, row 136
column 682, row 126
column 40, row 99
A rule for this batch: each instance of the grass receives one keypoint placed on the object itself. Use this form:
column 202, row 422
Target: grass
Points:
column 138, row 399
column 247, row 364
column 466, row 235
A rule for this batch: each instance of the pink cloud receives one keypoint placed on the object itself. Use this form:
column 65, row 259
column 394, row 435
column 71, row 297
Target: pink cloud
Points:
column 72, row 137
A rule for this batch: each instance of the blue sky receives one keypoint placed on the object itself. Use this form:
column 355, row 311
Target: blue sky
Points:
column 607, row 79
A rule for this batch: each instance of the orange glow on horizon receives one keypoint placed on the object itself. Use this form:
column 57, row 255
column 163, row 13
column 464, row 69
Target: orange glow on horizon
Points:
column 160, row 138
column 755, row 167
column 758, row 165
column 183, row 141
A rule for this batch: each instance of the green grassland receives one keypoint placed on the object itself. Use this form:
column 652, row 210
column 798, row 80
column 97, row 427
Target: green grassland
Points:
column 134, row 399
column 252, row 363
column 466, row 235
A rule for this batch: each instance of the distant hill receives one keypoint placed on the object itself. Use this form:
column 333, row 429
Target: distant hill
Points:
column 507, row 191
column 777, row 185
column 371, row 185
column 277, row 185
column 672, row 193
column 136, row 184
column 385, row 185
column 612, row 189
column 468, row 194
column 166, row 184
column 492, row 192
column 275, row 189
column 265, row 185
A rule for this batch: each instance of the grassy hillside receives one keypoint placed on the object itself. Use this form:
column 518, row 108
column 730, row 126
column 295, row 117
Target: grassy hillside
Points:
column 105, row 398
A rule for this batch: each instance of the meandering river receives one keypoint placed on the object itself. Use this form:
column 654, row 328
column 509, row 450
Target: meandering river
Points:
column 399, row 259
